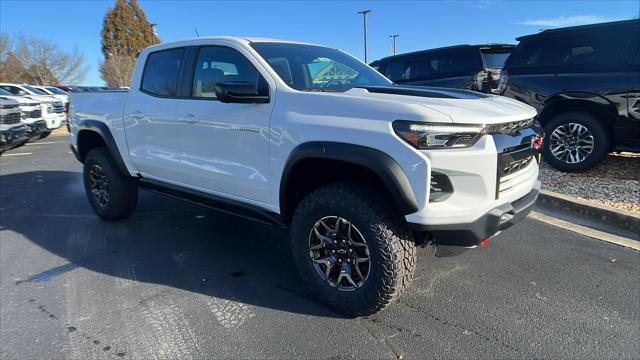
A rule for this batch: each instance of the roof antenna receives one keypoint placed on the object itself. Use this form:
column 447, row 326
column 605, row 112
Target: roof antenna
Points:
column 194, row 28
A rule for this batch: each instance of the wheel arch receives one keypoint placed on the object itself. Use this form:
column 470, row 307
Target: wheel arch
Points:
column 602, row 109
column 93, row 134
column 345, row 162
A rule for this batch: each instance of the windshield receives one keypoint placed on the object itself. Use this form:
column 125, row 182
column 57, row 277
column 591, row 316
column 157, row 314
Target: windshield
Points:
column 55, row 90
column 494, row 59
column 34, row 90
column 5, row 92
column 317, row 68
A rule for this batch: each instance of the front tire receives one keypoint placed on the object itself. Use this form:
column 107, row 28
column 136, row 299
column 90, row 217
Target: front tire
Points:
column 111, row 195
column 343, row 226
column 575, row 141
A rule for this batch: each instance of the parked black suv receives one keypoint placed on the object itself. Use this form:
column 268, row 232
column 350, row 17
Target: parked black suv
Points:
column 585, row 83
column 473, row 67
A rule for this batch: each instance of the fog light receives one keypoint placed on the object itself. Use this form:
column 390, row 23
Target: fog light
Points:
column 440, row 187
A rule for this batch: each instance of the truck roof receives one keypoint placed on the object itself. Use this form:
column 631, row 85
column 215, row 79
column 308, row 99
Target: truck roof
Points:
column 237, row 39
column 564, row 30
column 479, row 46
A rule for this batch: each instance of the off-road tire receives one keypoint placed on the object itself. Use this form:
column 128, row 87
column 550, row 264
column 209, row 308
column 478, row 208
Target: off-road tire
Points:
column 123, row 190
column 392, row 248
column 601, row 139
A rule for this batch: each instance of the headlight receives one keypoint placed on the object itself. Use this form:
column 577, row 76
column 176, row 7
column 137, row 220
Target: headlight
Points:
column 438, row 136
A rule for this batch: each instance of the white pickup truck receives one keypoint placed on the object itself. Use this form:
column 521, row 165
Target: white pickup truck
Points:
column 311, row 139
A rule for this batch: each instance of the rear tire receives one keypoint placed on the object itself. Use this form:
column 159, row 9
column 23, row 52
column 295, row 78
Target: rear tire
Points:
column 575, row 141
column 111, row 195
column 370, row 216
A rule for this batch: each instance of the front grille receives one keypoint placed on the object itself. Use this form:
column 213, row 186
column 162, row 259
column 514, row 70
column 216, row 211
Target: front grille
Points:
column 33, row 114
column 58, row 108
column 510, row 128
column 13, row 118
column 515, row 166
column 516, row 153
column 517, row 177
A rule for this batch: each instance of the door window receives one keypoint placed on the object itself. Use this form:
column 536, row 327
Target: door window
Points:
column 398, row 70
column 161, row 72
column 577, row 52
column 454, row 62
column 220, row 64
column 14, row 90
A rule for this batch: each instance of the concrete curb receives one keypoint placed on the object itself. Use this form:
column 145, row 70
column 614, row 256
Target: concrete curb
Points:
column 621, row 219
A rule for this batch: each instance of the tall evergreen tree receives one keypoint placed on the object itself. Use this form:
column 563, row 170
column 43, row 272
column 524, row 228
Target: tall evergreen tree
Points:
column 125, row 32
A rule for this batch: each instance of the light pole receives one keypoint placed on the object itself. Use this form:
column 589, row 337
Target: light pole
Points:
column 364, row 15
column 393, row 45
column 155, row 33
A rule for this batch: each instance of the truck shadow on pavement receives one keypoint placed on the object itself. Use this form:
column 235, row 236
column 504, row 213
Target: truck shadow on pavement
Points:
column 165, row 242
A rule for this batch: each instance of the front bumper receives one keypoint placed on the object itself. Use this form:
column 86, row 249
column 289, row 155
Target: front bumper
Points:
column 495, row 220
column 55, row 120
column 13, row 137
column 36, row 128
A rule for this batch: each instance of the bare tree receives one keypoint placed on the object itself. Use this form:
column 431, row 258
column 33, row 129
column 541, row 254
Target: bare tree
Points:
column 37, row 61
column 117, row 69
column 5, row 48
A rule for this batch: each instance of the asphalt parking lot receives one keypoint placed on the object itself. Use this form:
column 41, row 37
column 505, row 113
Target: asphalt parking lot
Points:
column 179, row 281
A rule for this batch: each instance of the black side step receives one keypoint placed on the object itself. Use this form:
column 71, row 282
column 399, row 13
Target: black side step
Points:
column 214, row 202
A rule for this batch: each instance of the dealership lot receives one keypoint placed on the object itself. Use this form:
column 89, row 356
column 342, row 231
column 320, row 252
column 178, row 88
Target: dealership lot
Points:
column 179, row 281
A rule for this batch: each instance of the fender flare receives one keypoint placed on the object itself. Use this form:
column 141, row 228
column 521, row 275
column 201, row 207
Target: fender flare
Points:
column 572, row 96
column 104, row 132
column 576, row 95
column 377, row 161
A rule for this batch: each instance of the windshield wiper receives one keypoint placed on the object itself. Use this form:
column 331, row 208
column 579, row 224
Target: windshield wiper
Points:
column 321, row 90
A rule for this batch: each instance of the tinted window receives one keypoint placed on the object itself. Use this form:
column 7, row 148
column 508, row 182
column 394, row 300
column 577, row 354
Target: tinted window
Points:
column 161, row 72
column 14, row 90
column 398, row 69
column 577, row 51
column 35, row 90
column 493, row 59
column 220, row 64
column 454, row 62
column 55, row 90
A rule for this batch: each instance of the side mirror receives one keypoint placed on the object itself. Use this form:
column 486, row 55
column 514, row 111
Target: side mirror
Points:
column 241, row 93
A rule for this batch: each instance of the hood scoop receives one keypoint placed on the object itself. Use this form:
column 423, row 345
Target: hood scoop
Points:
column 428, row 92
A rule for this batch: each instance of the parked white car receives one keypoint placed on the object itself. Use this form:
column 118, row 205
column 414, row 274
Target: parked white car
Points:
column 311, row 139
column 53, row 91
column 30, row 115
column 52, row 109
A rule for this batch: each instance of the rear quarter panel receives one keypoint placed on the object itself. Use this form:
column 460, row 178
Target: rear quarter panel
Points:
column 105, row 107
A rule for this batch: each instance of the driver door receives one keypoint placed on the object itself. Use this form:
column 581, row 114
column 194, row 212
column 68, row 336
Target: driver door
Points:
column 225, row 147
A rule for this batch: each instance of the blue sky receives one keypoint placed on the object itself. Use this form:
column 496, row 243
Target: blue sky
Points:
column 420, row 24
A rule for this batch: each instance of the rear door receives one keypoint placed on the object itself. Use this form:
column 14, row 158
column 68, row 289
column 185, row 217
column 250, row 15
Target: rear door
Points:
column 151, row 116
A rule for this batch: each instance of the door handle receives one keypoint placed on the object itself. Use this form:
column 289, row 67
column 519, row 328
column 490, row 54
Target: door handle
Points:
column 137, row 115
column 190, row 119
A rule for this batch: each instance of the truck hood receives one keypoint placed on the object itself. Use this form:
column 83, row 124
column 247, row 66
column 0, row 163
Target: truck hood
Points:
column 461, row 106
column 44, row 98
column 21, row 100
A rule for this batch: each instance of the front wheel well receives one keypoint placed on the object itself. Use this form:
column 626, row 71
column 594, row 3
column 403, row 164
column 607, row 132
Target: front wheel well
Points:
column 310, row 174
column 601, row 112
